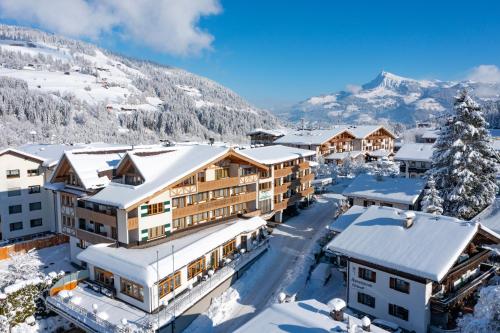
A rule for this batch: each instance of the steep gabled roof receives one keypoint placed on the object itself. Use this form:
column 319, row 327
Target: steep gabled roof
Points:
column 21, row 154
column 275, row 154
column 361, row 132
column 312, row 137
column 415, row 152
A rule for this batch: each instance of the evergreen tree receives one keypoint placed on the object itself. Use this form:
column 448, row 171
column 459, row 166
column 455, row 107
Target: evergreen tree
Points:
column 432, row 202
column 464, row 163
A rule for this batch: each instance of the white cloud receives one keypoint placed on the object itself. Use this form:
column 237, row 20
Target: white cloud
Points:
column 353, row 88
column 169, row 26
column 485, row 74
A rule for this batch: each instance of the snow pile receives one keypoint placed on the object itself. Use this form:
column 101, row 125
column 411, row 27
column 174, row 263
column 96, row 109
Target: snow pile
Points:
column 486, row 317
column 20, row 284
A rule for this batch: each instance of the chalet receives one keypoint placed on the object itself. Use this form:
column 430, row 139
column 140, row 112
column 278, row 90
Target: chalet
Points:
column 415, row 269
column 415, row 159
column 490, row 216
column 375, row 141
column 367, row 190
column 260, row 136
column 290, row 178
column 323, row 142
column 340, row 158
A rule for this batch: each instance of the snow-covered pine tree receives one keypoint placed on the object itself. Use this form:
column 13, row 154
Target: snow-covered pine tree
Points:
column 464, row 163
column 383, row 167
column 432, row 202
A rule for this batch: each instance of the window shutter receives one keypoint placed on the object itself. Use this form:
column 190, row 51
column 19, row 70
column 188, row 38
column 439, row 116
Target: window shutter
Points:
column 144, row 210
column 166, row 206
column 144, row 234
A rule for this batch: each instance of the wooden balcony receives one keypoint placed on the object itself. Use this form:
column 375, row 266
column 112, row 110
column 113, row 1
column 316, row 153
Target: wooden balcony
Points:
column 307, row 178
column 304, row 165
column 213, row 204
column 282, row 172
column 281, row 205
column 98, row 217
column 307, row 191
column 218, row 184
column 92, row 237
column 133, row 223
column 282, row 188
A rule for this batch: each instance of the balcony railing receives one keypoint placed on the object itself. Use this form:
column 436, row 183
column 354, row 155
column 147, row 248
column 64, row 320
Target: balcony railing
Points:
column 281, row 205
column 282, row 172
column 133, row 223
column 213, row 204
column 218, row 184
column 307, row 178
column 92, row 237
column 282, row 188
column 442, row 302
column 307, row 192
column 98, row 217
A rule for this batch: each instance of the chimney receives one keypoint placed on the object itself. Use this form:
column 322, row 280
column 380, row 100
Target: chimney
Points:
column 409, row 217
column 337, row 307
column 366, row 323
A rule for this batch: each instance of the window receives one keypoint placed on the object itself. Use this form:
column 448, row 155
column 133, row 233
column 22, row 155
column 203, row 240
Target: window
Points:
column 34, row 189
column 35, row 223
column 33, row 172
column 15, row 209
column 366, row 299
column 156, row 208
column 368, row 203
column 13, row 173
column 179, row 202
column 169, row 283
column 188, row 181
column 104, row 277
column 14, row 192
column 196, row 267
column 219, row 212
column 239, row 189
column 367, row 274
column 67, row 200
column 16, row 226
column 399, row 285
column 156, row 232
column 132, row 289
column 222, row 173
column 35, row 206
column 398, row 311
column 228, row 248
column 224, row 192
column 247, row 171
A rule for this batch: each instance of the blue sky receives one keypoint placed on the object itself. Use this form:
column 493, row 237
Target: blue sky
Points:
column 280, row 52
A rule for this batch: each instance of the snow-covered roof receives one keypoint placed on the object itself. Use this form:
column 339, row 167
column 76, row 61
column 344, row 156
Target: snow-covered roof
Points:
column 50, row 153
column 427, row 249
column 430, row 134
column 490, row 217
column 302, row 316
column 496, row 144
column 311, row 137
column 389, row 189
column 275, row 154
column 275, row 132
column 159, row 170
column 139, row 265
column 22, row 153
column 361, row 132
column 415, row 152
column 345, row 220
column 379, row 153
column 344, row 155
column 87, row 164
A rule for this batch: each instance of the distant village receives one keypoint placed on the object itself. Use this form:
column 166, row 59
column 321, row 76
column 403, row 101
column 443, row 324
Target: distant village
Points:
column 155, row 232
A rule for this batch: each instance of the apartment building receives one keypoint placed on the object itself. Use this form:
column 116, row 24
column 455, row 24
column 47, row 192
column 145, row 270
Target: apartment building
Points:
column 414, row 269
column 289, row 179
column 26, row 208
column 415, row 159
column 403, row 193
column 260, row 136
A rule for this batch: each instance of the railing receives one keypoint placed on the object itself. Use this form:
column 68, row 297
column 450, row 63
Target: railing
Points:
column 304, row 165
column 133, row 223
column 281, row 205
column 218, row 184
column 98, row 217
column 187, row 299
column 282, row 172
column 69, row 281
column 213, row 204
column 282, row 188
column 307, row 192
column 307, row 178
column 92, row 237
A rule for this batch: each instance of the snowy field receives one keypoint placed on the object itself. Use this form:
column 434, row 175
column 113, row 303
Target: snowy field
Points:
column 283, row 269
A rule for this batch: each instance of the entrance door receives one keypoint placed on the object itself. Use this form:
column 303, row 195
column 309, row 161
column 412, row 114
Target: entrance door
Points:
column 214, row 259
column 244, row 242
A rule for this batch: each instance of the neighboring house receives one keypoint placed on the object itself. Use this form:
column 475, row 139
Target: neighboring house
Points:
column 376, row 141
column 289, row 181
column 340, row 158
column 367, row 190
column 430, row 136
column 323, row 142
column 260, row 136
column 26, row 208
column 490, row 216
column 412, row 268
column 415, row 159
column 306, row 316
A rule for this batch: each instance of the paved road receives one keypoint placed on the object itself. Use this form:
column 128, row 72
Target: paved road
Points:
column 273, row 272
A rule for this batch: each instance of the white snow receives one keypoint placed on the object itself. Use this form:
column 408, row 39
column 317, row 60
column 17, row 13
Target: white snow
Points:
column 276, row 154
column 427, row 249
column 322, row 99
column 389, row 189
column 429, row 104
column 311, row 137
column 415, row 152
column 140, row 264
column 347, row 218
column 490, row 217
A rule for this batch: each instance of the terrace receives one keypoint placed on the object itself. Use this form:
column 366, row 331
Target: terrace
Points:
column 95, row 310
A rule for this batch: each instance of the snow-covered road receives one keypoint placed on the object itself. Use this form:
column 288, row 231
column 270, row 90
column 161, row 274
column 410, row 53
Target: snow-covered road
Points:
column 291, row 243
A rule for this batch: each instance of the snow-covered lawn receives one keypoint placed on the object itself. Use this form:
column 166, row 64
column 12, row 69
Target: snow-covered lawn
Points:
column 284, row 268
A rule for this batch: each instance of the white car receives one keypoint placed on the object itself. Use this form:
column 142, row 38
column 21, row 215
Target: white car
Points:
column 387, row 325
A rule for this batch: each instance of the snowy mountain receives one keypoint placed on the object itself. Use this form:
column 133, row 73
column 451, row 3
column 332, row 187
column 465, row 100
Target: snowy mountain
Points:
column 391, row 98
column 62, row 90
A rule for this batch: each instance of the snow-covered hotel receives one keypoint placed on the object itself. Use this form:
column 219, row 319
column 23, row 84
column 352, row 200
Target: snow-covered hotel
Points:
column 152, row 222
column 371, row 141
column 414, row 269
